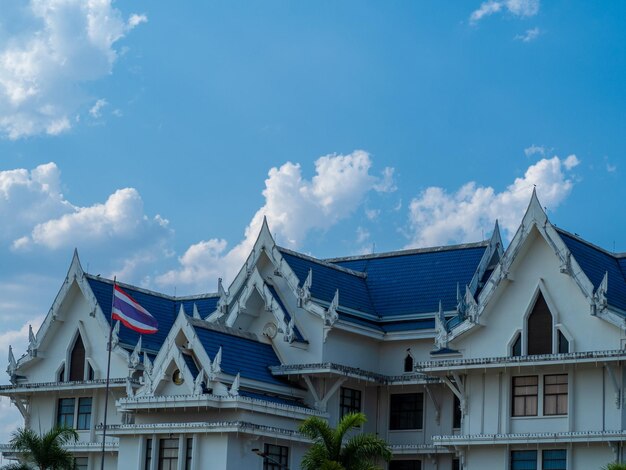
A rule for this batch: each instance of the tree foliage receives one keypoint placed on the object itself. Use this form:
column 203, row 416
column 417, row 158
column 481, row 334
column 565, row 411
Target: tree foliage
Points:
column 332, row 451
column 46, row 451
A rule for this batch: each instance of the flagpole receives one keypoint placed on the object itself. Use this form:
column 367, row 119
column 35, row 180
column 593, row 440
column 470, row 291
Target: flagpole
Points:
column 106, row 393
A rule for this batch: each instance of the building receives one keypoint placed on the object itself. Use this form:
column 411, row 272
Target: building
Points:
column 463, row 356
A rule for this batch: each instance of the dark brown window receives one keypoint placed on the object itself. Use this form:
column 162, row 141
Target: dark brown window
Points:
column 408, row 363
column 148, row 461
column 350, row 401
column 77, row 361
column 406, row 411
column 540, row 328
column 189, row 454
column 275, row 457
column 555, row 394
column 456, row 413
column 563, row 343
column 168, row 454
column 516, row 349
column 525, row 395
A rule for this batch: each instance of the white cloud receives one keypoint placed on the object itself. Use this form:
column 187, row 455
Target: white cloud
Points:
column 437, row 217
column 96, row 109
column 529, row 35
column 120, row 218
column 535, row 150
column 362, row 235
column 520, row 8
column 28, row 197
column 136, row 20
column 62, row 44
column 294, row 206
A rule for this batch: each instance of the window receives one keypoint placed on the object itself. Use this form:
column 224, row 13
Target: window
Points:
column 554, row 459
column 408, row 363
column 525, row 393
column 148, row 460
column 563, row 343
column 405, row 465
column 555, row 394
column 524, row 460
column 275, row 457
column 540, row 328
column 456, row 464
column 65, row 412
column 189, row 453
column 91, row 375
column 168, row 454
column 516, row 349
column 81, row 463
column 84, row 413
column 77, row 362
column 406, row 411
column 456, row 413
column 350, row 401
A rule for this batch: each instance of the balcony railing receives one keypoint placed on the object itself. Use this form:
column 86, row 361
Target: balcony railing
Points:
column 534, row 438
column 34, row 387
column 509, row 361
column 353, row 372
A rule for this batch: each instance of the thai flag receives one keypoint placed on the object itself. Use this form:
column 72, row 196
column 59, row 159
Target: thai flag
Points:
column 131, row 314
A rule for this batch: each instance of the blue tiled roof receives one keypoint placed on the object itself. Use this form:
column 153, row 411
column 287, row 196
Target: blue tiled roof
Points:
column 296, row 331
column 595, row 262
column 163, row 308
column 272, row 398
column 414, row 281
column 327, row 279
column 252, row 359
column 191, row 364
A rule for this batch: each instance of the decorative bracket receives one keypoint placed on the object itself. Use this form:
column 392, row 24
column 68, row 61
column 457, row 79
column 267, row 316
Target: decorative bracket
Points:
column 215, row 367
column 135, row 357
column 458, row 388
column 234, row 388
column 599, row 297
column 322, row 402
column 441, row 330
column 435, row 403
column 304, row 292
column 32, row 342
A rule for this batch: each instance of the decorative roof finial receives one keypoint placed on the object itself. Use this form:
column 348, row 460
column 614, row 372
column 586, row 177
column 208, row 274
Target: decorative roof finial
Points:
column 234, row 388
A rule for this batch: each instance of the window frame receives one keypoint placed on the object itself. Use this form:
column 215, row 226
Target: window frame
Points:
column 278, row 454
column 524, row 396
column 395, row 416
column 172, row 460
column 65, row 414
column 87, row 416
column 544, row 459
column 355, row 399
column 556, row 394
column 519, row 452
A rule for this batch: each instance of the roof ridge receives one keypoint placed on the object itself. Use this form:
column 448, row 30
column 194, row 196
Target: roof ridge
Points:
column 151, row 292
column 410, row 251
column 324, row 263
column 591, row 245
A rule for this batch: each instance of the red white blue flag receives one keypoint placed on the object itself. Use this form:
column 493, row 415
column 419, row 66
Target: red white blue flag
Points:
column 131, row 314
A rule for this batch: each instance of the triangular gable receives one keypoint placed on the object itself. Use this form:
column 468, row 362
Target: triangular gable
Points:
column 535, row 218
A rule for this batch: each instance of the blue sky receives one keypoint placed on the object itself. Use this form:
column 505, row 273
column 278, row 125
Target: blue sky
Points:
column 155, row 136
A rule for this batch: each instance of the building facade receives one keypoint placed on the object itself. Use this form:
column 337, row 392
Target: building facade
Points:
column 465, row 356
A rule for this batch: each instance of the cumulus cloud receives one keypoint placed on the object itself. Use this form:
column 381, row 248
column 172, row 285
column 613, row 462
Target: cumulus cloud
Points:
column 36, row 214
column 529, row 35
column 120, row 218
column 294, row 206
column 437, row 217
column 519, row 8
column 535, row 150
column 29, row 196
column 61, row 45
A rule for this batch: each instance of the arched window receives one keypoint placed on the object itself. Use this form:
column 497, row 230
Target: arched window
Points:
column 563, row 343
column 77, row 360
column 516, row 348
column 408, row 362
column 540, row 328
